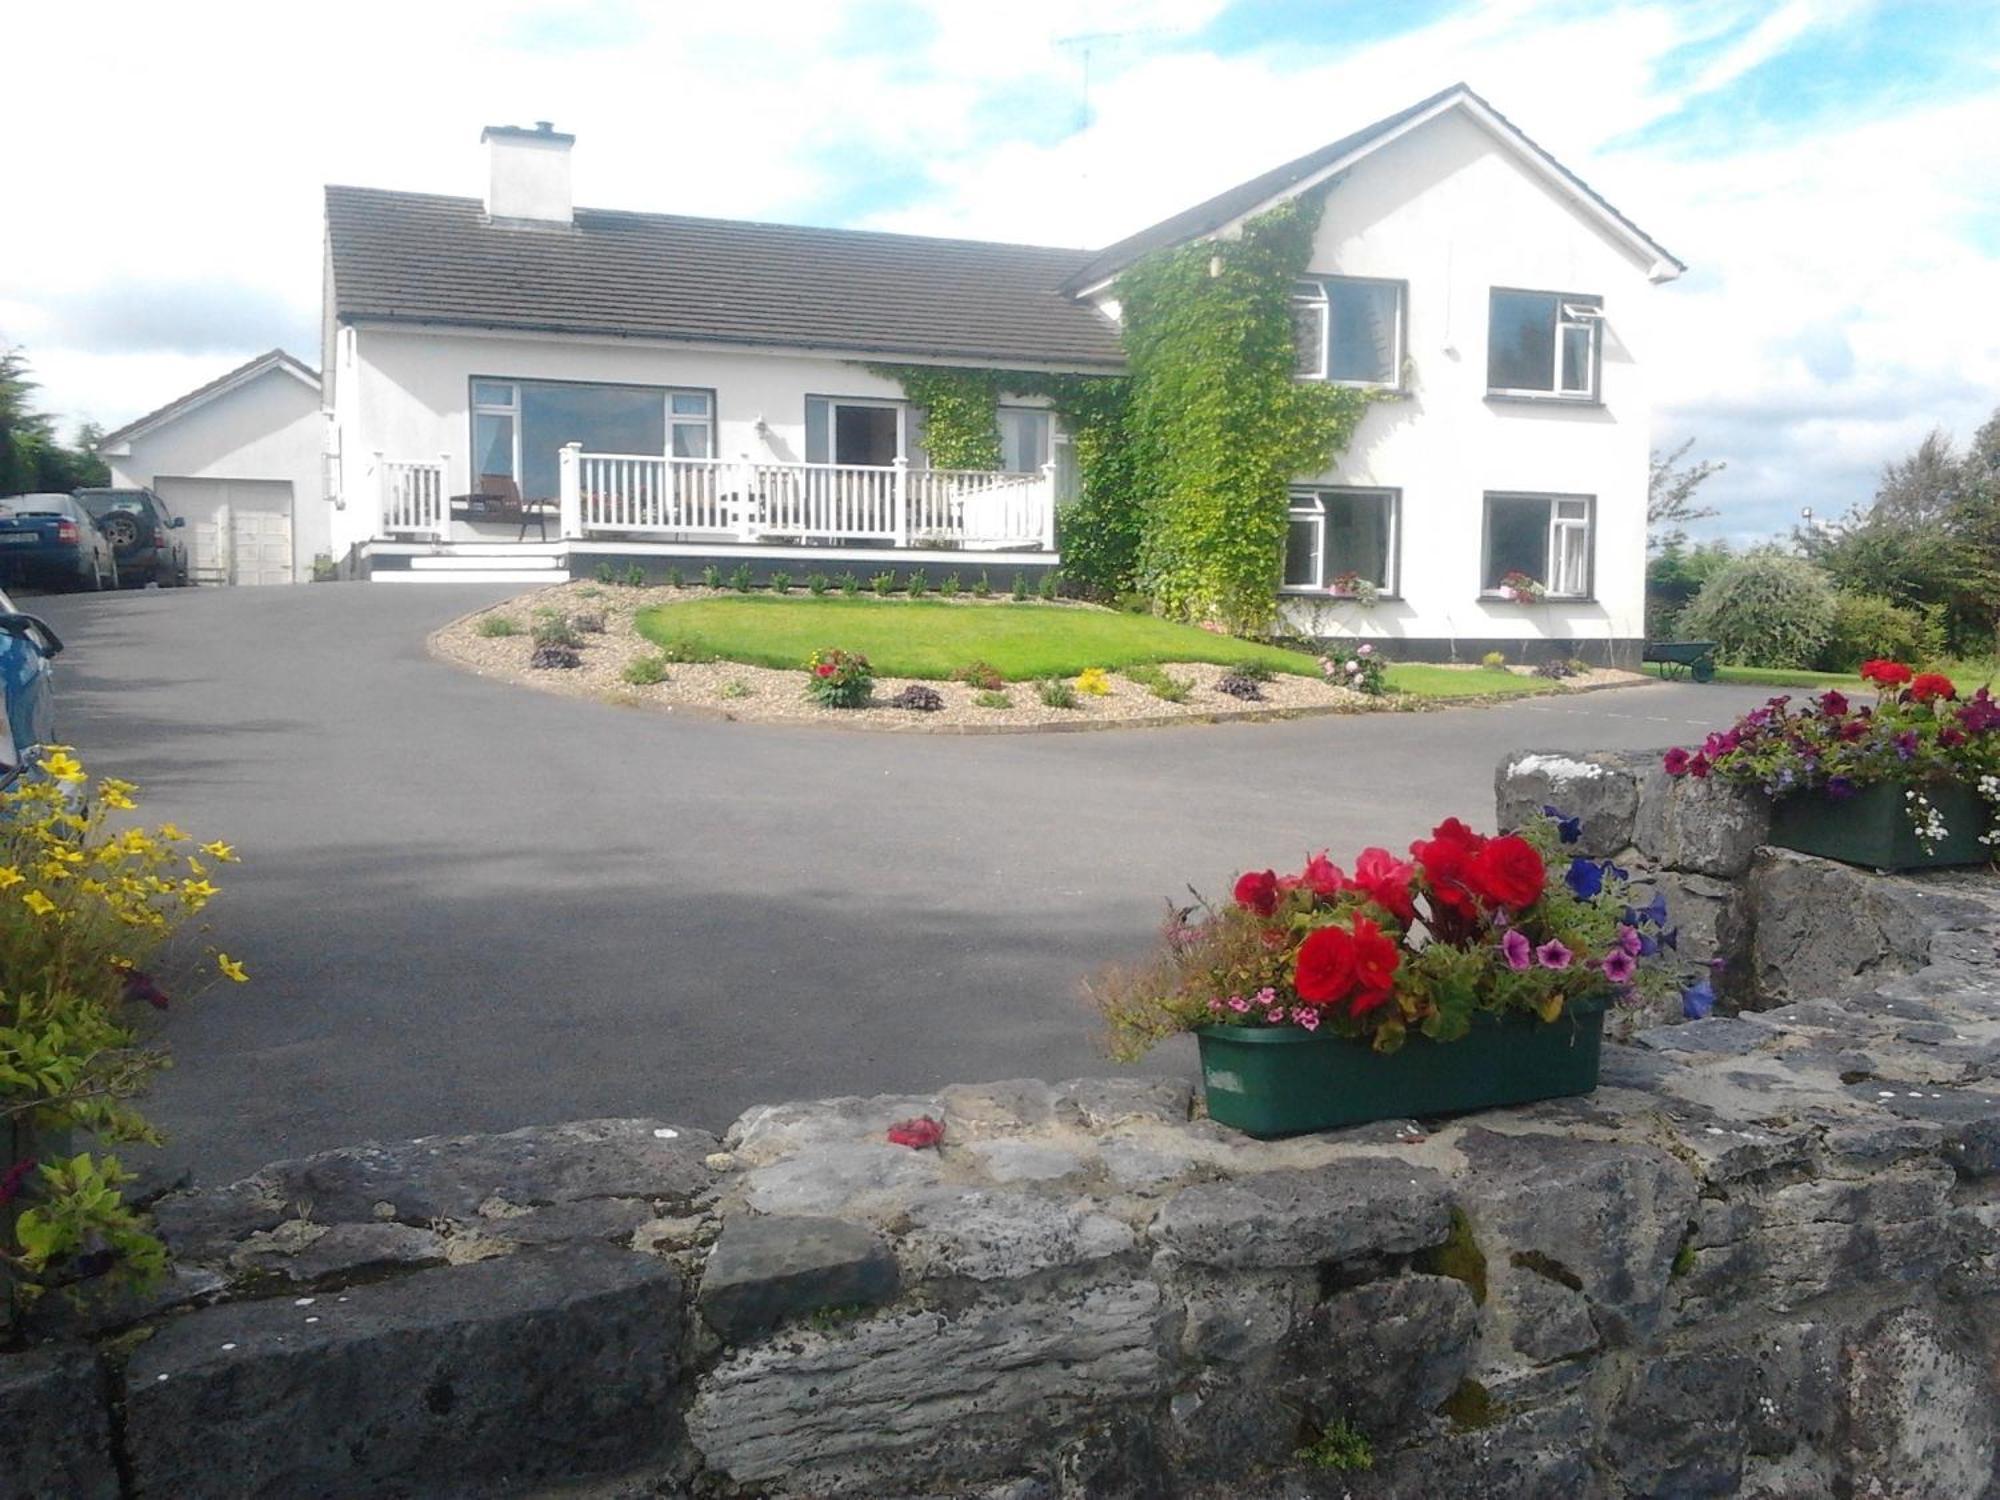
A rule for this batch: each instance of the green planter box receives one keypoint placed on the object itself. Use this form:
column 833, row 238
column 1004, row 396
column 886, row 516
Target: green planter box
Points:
column 1283, row 1080
column 1873, row 826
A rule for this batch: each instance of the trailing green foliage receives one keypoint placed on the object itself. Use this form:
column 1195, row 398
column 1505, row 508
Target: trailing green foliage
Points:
column 961, row 420
column 1218, row 426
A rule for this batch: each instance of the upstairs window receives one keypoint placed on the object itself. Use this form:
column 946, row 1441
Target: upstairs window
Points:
column 1544, row 538
column 1348, row 330
column 1340, row 539
column 1544, row 344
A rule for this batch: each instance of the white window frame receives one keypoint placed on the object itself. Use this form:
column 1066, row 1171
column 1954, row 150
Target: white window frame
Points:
column 1308, row 504
column 1311, row 294
column 678, row 419
column 1567, row 515
column 1047, row 414
column 833, row 405
column 511, row 411
column 1573, row 310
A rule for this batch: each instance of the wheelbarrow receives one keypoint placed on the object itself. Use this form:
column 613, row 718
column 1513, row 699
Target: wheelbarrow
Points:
column 1694, row 659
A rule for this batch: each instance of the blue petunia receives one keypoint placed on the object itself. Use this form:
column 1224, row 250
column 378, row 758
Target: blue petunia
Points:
column 1585, row 879
column 1671, row 938
column 1697, row 1000
column 1568, row 829
column 1655, row 911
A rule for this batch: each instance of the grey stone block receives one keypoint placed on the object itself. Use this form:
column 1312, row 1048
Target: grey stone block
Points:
column 55, row 1428
column 770, row 1132
column 981, row 1235
column 542, row 1365
column 301, row 1251
column 1923, row 1414
column 1100, row 1103
column 1818, row 928
column 1678, row 1428
column 1598, row 788
column 1395, row 1349
column 1700, row 826
column 826, row 1179
column 1363, row 1206
column 764, row 1270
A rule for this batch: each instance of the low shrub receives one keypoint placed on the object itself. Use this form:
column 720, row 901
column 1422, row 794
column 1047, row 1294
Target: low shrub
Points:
column 644, row 671
column 980, row 674
column 781, row 583
column 685, row 648
column 992, row 698
column 1049, row 585
column 675, row 577
column 736, row 687
column 950, row 588
column 606, row 573
column 838, row 679
column 590, row 591
column 635, row 577
column 984, row 588
column 1555, row 670
column 555, row 655
column 1763, row 609
column 1868, row 627
column 918, row 585
column 1093, row 682
column 919, row 698
column 817, row 584
column 739, row 578
column 1494, row 661
column 1020, row 589
column 849, row 584
column 1255, row 671
column 1236, row 685
column 884, row 584
column 1364, row 672
column 711, row 577
column 1132, row 602
column 556, row 631
column 1055, row 693
column 589, row 622
column 1161, row 683
column 496, row 626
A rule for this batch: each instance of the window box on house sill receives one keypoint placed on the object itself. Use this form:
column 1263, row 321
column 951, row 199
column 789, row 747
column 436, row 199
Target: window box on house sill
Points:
column 1294, row 592
column 1545, row 599
column 1542, row 398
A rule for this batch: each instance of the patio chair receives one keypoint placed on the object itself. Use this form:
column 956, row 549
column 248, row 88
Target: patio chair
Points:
column 498, row 498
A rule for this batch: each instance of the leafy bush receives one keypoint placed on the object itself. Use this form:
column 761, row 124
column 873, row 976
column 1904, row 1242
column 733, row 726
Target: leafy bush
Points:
column 736, row 687
column 557, row 655
column 992, row 698
column 1364, row 672
column 645, row 671
column 674, row 577
column 849, row 584
column 496, row 626
column 1494, row 661
column 1055, row 693
column 817, row 584
column 739, row 578
column 685, row 648
column 1339, row 1446
column 1161, row 683
column 918, row 584
column 984, row 588
column 635, row 577
column 884, row 584
column 1868, row 626
column 1049, row 585
column 1555, row 670
column 980, row 674
column 838, row 679
column 1763, row 609
column 589, row 622
column 606, row 573
column 1236, row 685
column 84, row 928
column 916, row 696
column 1020, row 590
column 949, row 589
column 1093, row 682
column 1133, row 602
column 781, row 583
column 555, row 630
column 1254, row 671
column 711, row 577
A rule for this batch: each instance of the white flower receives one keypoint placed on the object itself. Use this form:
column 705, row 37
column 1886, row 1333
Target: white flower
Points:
column 1365, row 650
column 1353, row 665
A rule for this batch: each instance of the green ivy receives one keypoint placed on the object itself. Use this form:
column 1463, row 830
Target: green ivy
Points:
column 1218, row 426
column 961, row 422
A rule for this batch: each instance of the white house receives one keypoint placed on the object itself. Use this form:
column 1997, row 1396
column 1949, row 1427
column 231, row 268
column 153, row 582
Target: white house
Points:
column 241, row 459
column 521, row 388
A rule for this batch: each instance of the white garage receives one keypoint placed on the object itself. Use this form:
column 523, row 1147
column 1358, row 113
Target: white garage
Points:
column 241, row 529
column 240, row 459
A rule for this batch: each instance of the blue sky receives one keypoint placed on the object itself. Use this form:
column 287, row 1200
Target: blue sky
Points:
column 1827, row 167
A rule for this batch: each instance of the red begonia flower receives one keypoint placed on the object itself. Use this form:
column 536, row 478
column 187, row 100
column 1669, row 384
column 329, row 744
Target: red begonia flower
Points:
column 916, row 1134
column 1508, row 872
column 1258, row 891
column 1323, row 968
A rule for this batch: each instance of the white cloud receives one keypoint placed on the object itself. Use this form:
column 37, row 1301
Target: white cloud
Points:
column 1841, row 303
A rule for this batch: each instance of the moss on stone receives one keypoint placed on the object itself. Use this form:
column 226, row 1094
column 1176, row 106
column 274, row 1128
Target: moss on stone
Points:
column 1471, row 1406
column 1459, row 1257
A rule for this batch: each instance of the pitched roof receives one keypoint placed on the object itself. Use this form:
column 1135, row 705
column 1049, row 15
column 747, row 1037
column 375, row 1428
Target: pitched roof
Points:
column 1227, row 207
column 243, row 374
column 421, row 258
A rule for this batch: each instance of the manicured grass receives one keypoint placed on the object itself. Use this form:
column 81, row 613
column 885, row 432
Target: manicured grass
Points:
column 926, row 638
column 1787, row 677
column 1421, row 681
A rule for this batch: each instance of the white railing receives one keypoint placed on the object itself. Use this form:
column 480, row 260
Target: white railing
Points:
column 886, row 505
column 413, row 498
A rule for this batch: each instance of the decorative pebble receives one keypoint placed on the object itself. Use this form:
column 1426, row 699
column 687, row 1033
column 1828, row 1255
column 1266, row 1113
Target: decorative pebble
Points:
column 303, row 1302
column 159, row 1377
column 227, row 1347
column 664, row 1134
column 314, row 1319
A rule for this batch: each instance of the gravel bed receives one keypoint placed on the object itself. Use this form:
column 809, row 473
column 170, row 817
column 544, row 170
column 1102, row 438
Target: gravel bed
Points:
column 738, row 691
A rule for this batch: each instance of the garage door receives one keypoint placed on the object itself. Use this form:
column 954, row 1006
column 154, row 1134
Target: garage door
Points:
column 241, row 528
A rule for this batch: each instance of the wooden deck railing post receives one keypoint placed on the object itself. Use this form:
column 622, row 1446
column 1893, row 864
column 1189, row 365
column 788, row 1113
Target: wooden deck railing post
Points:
column 901, row 479
column 569, row 491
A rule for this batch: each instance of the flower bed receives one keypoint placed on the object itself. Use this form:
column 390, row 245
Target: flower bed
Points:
column 1830, row 767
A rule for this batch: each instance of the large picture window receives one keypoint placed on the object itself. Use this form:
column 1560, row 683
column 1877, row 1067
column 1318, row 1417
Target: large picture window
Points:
column 1546, row 538
column 519, row 427
column 1339, row 539
column 1348, row 329
column 1544, row 344
column 1025, row 433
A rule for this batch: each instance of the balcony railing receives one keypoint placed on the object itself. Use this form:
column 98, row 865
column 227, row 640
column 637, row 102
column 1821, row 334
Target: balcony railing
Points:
column 892, row 505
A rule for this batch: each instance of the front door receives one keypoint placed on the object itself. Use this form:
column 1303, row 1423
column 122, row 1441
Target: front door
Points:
column 866, row 434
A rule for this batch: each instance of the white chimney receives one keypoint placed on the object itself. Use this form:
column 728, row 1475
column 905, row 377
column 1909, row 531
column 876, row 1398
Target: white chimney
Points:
column 528, row 173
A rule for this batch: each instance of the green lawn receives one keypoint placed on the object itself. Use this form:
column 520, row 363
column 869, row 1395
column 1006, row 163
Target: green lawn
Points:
column 929, row 638
column 1788, row 677
column 1421, row 681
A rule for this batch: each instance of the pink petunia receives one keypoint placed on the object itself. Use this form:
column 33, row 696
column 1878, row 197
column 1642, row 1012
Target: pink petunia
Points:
column 1619, row 966
column 1520, row 952
column 1306, row 1017
column 1553, row 955
column 1629, row 940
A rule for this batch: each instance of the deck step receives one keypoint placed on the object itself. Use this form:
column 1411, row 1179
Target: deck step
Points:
column 455, row 562
column 466, row 575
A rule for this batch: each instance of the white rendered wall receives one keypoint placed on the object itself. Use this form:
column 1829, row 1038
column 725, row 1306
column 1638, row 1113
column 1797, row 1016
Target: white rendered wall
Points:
column 269, row 428
column 1453, row 214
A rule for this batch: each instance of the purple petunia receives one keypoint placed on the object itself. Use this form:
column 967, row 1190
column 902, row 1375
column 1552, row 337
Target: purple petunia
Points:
column 1520, row 952
column 1569, row 830
column 1619, row 966
column 1840, row 788
column 1553, row 955
column 1630, row 941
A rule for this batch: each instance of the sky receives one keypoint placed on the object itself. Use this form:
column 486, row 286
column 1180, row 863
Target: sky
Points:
column 1829, row 169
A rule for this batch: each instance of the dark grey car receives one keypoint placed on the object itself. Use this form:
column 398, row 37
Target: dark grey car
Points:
column 145, row 535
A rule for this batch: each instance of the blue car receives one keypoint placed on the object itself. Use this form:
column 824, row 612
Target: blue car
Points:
column 27, row 698
column 51, row 540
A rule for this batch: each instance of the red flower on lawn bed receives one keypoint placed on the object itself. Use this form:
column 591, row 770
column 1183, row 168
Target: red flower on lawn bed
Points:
column 916, row 1134
column 1885, row 673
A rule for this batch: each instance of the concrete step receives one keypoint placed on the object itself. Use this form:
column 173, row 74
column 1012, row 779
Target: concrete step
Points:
column 459, row 562
column 467, row 575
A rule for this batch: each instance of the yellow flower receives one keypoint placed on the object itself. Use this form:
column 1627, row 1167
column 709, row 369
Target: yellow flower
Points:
column 231, row 969
column 195, row 866
column 112, row 796
column 62, row 767
column 219, row 851
column 198, row 890
column 10, row 876
column 37, row 903
column 172, row 834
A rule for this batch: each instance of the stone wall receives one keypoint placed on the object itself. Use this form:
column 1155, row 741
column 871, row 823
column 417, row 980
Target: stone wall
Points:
column 1762, row 1259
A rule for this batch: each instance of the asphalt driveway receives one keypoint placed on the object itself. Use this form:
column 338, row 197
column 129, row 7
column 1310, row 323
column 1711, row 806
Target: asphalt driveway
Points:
column 468, row 906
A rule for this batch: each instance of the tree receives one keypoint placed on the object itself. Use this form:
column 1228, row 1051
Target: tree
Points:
column 1670, row 487
column 1924, row 488
column 32, row 457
